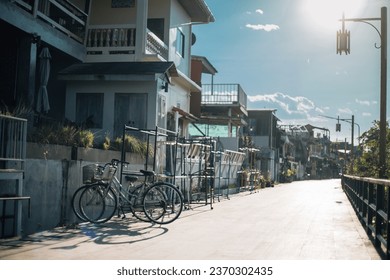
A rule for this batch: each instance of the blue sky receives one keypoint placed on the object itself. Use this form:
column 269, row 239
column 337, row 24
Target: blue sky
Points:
column 283, row 54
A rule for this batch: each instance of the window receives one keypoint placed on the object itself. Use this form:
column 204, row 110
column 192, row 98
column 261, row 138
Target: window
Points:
column 156, row 25
column 89, row 110
column 180, row 43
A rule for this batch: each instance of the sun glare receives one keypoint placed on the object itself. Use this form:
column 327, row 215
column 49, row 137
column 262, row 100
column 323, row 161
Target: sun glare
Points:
column 325, row 14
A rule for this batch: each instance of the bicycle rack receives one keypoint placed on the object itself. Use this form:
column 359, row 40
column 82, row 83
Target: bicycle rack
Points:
column 200, row 171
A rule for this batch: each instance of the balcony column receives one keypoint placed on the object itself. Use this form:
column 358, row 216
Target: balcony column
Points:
column 26, row 66
column 141, row 26
column 230, row 123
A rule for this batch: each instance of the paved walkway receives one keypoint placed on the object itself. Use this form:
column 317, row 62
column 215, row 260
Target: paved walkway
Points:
column 308, row 220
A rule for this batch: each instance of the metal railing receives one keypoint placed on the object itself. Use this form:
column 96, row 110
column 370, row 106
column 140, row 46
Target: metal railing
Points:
column 223, row 94
column 370, row 199
column 61, row 14
column 155, row 46
column 13, row 134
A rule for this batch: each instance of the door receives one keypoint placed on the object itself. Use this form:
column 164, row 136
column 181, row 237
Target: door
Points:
column 131, row 110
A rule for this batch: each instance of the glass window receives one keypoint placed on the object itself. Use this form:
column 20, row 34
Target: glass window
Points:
column 180, row 43
column 89, row 110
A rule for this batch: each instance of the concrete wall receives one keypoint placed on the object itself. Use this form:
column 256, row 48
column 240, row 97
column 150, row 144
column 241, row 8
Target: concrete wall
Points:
column 51, row 183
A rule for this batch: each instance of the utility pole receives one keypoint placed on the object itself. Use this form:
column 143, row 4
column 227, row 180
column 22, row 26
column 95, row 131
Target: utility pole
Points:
column 343, row 45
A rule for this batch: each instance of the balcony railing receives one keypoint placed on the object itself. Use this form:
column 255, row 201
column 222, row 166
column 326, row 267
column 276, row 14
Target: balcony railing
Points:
column 105, row 41
column 101, row 41
column 112, row 40
column 155, row 46
column 61, row 14
column 223, row 94
column 13, row 133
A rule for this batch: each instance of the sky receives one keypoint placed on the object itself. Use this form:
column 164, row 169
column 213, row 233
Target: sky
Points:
column 283, row 54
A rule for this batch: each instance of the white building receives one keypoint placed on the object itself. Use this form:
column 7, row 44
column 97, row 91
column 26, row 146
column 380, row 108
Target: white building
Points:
column 137, row 66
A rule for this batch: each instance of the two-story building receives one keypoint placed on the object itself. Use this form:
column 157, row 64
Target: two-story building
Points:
column 264, row 136
column 108, row 63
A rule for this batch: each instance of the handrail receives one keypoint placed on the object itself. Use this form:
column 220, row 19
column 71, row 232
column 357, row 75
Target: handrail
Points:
column 61, row 14
column 13, row 135
column 370, row 198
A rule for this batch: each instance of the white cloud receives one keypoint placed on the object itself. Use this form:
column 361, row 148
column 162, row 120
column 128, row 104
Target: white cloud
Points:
column 266, row 27
column 259, row 11
column 366, row 114
column 363, row 102
column 345, row 111
column 299, row 105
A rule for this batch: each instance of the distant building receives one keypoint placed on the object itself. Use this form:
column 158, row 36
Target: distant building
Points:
column 264, row 135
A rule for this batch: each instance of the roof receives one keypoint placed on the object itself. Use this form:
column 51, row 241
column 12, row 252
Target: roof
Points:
column 198, row 11
column 119, row 68
column 207, row 67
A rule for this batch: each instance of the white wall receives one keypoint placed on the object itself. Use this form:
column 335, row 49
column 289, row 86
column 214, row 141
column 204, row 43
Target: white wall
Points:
column 109, row 88
column 180, row 20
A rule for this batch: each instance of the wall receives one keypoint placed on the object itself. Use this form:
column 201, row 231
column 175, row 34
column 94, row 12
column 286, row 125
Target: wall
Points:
column 109, row 88
column 180, row 20
column 102, row 13
column 51, row 183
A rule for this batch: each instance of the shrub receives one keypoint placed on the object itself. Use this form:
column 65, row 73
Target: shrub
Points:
column 62, row 135
column 107, row 143
column 85, row 139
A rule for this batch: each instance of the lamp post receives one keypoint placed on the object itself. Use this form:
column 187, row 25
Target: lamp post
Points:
column 343, row 45
column 352, row 122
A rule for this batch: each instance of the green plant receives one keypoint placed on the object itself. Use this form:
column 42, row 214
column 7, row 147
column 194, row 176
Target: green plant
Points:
column 107, row 143
column 66, row 135
column 21, row 110
column 132, row 145
column 62, row 135
column 85, row 139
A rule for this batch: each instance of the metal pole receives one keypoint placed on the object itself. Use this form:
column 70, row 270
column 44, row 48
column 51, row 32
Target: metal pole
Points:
column 352, row 143
column 382, row 124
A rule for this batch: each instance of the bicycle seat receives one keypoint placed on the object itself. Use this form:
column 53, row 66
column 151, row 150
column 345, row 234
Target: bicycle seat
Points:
column 147, row 173
column 131, row 179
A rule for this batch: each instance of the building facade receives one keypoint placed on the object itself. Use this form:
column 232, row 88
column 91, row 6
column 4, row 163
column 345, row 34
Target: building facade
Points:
column 111, row 62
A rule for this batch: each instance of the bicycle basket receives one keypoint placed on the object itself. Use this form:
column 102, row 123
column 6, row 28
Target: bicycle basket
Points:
column 108, row 173
column 91, row 173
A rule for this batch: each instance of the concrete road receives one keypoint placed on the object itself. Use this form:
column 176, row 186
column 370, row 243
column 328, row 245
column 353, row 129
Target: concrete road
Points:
column 308, row 220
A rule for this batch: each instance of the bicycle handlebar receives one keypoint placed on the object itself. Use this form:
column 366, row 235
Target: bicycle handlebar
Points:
column 114, row 162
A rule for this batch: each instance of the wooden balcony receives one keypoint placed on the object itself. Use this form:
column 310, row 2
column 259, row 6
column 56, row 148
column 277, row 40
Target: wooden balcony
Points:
column 108, row 43
column 60, row 14
column 104, row 43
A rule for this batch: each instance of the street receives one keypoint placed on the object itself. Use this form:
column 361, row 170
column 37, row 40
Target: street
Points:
column 303, row 220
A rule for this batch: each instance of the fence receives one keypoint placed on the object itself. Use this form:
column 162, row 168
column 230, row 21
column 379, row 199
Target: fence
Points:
column 13, row 133
column 370, row 199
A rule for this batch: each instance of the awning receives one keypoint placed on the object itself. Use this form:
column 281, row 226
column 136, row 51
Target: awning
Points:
column 184, row 114
column 117, row 70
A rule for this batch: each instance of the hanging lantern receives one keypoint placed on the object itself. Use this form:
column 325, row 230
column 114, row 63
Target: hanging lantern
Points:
column 343, row 39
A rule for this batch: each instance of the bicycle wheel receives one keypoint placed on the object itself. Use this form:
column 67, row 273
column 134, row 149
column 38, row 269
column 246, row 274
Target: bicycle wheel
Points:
column 76, row 205
column 136, row 201
column 98, row 203
column 163, row 203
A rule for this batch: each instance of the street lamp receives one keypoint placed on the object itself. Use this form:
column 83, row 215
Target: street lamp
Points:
column 338, row 126
column 343, row 45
